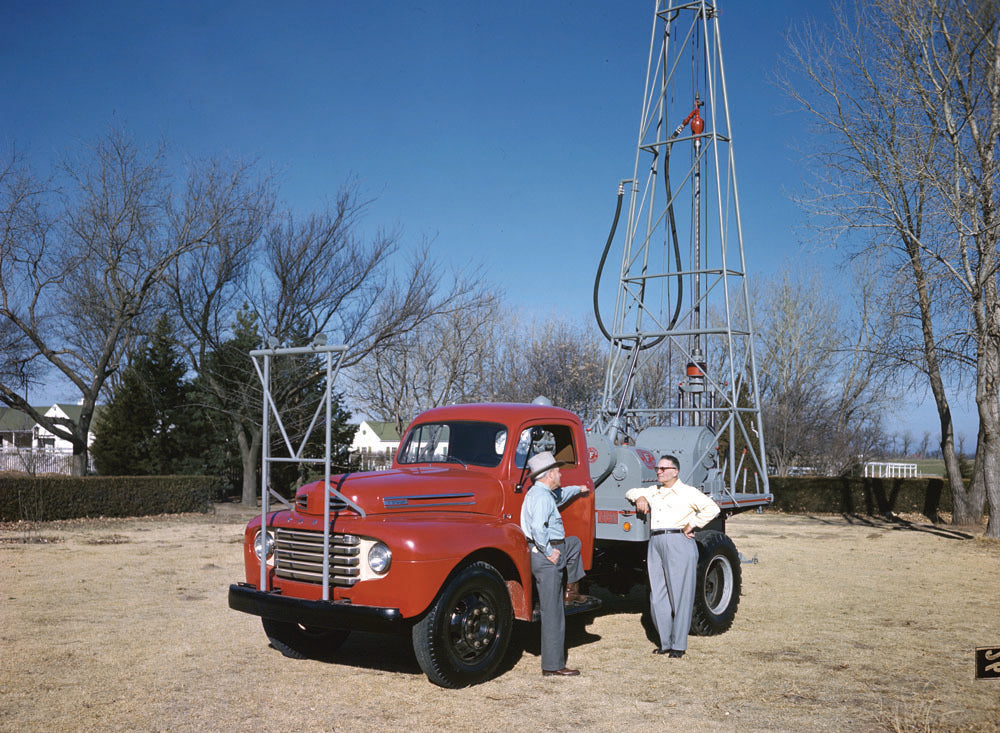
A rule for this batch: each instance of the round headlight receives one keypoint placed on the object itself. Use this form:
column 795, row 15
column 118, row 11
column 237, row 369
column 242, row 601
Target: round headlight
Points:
column 379, row 558
column 259, row 545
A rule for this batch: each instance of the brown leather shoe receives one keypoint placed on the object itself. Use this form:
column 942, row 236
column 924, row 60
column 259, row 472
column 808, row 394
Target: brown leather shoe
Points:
column 564, row 672
column 573, row 597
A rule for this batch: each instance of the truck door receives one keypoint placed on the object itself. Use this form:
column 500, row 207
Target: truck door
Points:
column 578, row 513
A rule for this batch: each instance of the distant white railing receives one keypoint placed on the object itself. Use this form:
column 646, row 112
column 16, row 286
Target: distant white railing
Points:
column 374, row 460
column 36, row 462
column 882, row 469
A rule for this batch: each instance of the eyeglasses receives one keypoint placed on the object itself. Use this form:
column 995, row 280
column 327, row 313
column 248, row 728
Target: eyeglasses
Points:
column 666, row 468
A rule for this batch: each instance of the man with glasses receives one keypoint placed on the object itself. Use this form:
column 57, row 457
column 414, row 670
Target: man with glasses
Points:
column 675, row 510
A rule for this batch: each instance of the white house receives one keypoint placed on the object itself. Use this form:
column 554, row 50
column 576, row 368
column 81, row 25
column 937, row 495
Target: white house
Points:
column 375, row 442
column 27, row 446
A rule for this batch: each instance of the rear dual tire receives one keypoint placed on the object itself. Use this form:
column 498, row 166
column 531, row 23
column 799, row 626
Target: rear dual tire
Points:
column 718, row 586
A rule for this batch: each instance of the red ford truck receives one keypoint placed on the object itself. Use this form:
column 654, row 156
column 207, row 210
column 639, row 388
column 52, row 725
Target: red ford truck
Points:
column 433, row 547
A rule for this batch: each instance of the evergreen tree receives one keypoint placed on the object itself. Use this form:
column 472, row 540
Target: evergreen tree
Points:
column 148, row 428
column 228, row 394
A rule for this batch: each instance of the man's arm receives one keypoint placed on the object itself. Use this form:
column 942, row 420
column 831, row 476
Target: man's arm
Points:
column 703, row 511
column 640, row 492
column 640, row 497
column 568, row 492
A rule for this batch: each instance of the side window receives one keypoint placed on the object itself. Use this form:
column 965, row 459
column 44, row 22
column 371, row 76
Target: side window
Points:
column 557, row 439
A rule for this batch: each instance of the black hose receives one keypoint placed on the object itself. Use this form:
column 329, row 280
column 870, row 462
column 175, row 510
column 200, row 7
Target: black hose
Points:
column 677, row 262
column 604, row 257
column 673, row 234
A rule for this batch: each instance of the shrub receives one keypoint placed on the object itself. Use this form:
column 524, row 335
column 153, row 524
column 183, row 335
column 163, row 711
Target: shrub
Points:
column 63, row 497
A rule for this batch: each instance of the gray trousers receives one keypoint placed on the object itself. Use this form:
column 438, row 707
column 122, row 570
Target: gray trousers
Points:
column 548, row 578
column 672, row 560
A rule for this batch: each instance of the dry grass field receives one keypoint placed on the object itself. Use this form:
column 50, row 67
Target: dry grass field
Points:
column 845, row 624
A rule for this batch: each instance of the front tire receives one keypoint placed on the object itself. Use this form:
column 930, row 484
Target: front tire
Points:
column 464, row 636
column 717, row 592
column 303, row 642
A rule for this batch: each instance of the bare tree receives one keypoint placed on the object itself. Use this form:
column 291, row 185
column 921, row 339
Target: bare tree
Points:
column 864, row 384
column 880, row 147
column 79, row 267
column 822, row 390
column 442, row 362
column 925, row 441
column 951, row 51
column 555, row 359
column 294, row 278
column 479, row 352
column 794, row 330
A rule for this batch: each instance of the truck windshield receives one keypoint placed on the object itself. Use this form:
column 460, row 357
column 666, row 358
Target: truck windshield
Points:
column 467, row 443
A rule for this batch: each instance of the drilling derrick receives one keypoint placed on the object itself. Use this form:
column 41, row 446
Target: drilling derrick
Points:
column 681, row 340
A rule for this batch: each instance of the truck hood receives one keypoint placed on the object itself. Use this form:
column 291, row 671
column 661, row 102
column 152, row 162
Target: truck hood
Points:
column 420, row 488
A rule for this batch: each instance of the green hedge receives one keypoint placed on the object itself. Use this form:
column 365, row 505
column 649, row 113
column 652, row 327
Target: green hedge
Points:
column 58, row 497
column 872, row 496
column 65, row 497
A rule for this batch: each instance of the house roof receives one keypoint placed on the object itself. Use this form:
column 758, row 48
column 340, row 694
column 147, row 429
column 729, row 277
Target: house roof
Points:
column 15, row 420
column 68, row 409
column 386, row 431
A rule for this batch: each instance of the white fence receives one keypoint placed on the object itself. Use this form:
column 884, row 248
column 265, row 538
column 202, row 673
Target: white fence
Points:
column 879, row 469
column 35, row 462
column 377, row 460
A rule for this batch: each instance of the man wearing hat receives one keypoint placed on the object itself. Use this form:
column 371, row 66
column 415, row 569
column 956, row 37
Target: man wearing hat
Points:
column 551, row 553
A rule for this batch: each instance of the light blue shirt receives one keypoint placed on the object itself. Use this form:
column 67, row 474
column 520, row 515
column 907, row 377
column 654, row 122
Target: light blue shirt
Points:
column 540, row 520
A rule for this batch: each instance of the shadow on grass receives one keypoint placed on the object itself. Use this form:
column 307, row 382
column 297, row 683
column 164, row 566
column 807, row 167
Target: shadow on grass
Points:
column 383, row 652
column 893, row 524
column 394, row 652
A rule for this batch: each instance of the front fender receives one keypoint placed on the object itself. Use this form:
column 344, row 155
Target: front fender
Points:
column 426, row 549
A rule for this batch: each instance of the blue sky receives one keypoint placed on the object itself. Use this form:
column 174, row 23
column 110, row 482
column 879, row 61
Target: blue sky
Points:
column 499, row 131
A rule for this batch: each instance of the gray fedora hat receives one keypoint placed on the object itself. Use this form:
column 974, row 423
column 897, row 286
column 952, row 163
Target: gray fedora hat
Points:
column 542, row 462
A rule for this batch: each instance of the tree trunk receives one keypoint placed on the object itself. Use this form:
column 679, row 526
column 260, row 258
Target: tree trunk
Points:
column 78, row 466
column 988, row 402
column 963, row 510
column 250, row 457
column 991, row 479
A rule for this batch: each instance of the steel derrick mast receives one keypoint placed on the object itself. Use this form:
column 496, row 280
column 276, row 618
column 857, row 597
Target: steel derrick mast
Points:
column 681, row 339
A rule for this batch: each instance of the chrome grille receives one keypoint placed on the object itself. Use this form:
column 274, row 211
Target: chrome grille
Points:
column 298, row 555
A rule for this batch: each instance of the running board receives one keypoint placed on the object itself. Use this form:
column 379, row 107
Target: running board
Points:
column 592, row 605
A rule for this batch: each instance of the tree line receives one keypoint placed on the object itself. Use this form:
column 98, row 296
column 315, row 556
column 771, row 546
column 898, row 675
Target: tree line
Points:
column 94, row 252
column 149, row 294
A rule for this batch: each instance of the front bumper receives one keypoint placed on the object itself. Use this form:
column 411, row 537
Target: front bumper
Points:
column 324, row 614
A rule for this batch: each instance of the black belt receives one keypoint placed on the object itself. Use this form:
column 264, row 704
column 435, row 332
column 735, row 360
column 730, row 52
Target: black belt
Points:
column 557, row 542
column 665, row 531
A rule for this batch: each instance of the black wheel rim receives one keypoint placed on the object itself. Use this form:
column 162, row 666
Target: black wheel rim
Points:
column 471, row 628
